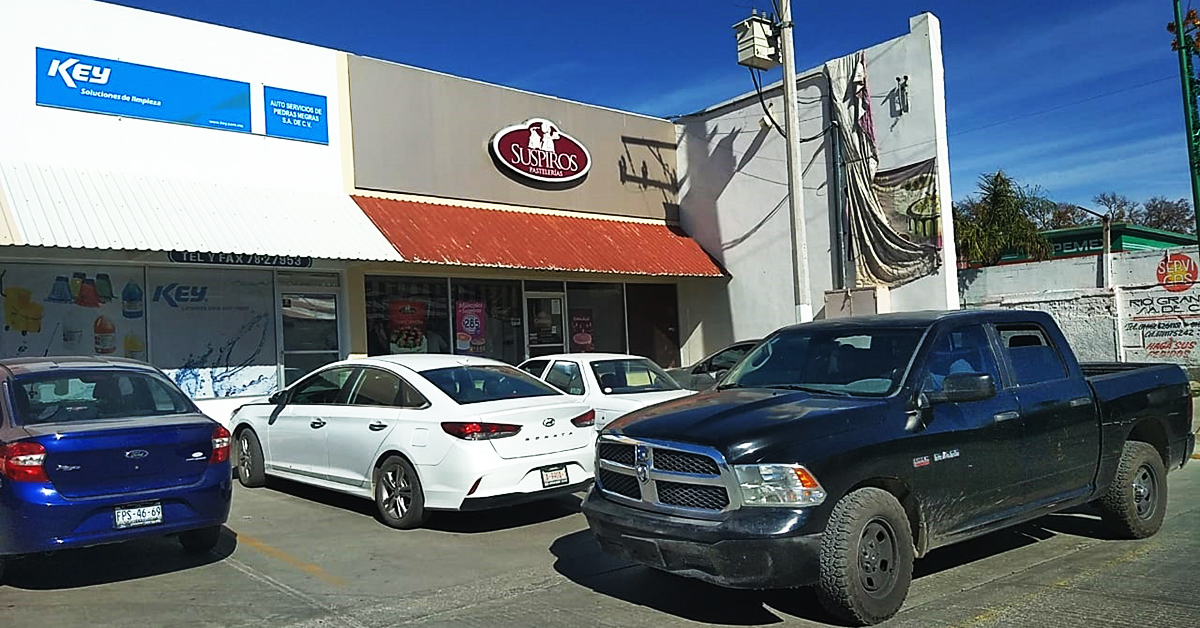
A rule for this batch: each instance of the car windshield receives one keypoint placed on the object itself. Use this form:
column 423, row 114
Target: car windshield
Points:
column 91, row 395
column 634, row 375
column 859, row 362
column 474, row 384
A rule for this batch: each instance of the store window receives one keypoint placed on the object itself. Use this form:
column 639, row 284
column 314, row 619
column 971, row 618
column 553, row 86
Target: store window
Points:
column 596, row 317
column 488, row 319
column 407, row 315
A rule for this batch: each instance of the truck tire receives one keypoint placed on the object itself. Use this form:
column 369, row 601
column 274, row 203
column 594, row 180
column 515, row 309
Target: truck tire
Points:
column 249, row 463
column 866, row 558
column 1135, row 503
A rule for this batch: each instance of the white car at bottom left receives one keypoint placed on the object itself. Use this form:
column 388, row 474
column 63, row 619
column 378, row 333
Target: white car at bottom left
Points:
column 418, row 433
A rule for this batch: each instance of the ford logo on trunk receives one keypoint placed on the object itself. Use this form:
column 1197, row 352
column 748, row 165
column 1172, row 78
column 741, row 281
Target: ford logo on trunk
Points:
column 136, row 454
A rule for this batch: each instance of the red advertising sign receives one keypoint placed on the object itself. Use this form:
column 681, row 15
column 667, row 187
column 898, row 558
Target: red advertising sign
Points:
column 407, row 333
column 539, row 150
column 1177, row 272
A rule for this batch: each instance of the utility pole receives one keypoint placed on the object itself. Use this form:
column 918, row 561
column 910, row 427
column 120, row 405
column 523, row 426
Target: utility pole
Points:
column 762, row 44
column 1187, row 46
column 791, row 126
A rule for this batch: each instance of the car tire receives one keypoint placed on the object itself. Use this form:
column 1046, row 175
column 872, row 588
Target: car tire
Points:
column 250, row 464
column 867, row 557
column 1135, row 503
column 398, row 495
column 200, row 541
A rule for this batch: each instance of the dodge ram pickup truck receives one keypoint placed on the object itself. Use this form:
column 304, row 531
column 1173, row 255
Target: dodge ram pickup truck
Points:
column 837, row 452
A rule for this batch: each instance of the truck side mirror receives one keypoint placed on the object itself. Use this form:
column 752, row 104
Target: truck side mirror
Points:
column 964, row 387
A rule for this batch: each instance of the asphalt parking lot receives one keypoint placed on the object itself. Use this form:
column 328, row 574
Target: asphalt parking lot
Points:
column 298, row 557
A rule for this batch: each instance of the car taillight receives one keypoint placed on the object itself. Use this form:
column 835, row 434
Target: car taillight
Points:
column 587, row 419
column 23, row 461
column 220, row 445
column 480, row 431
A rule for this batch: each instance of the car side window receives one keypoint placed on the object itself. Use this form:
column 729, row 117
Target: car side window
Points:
column 410, row 397
column 376, row 388
column 535, row 367
column 1033, row 359
column 324, row 388
column 567, row 377
column 963, row 350
column 725, row 360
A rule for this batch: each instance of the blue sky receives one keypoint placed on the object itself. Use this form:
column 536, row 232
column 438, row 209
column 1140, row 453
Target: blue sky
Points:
column 1077, row 97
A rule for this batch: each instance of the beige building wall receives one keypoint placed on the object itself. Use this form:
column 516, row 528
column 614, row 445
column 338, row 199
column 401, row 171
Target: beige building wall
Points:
column 421, row 132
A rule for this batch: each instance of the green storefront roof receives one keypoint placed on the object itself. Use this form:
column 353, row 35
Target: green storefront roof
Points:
column 1089, row 240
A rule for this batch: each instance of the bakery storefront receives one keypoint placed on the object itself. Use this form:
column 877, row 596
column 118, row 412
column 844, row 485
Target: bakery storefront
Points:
column 528, row 225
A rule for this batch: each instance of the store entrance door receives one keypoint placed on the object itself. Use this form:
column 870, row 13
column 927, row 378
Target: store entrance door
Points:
column 310, row 333
column 545, row 315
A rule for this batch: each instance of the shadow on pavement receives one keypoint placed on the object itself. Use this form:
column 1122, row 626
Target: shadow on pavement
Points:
column 579, row 558
column 106, row 564
column 471, row 522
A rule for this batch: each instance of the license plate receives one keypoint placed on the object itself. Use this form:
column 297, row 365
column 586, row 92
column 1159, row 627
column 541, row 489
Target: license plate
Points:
column 147, row 515
column 554, row 476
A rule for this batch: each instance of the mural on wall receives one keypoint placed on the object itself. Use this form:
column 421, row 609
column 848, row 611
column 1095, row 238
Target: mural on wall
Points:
column 909, row 198
column 213, row 332
column 1162, row 321
column 52, row 309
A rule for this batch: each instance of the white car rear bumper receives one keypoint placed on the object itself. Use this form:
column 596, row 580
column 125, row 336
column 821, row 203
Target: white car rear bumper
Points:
column 501, row 481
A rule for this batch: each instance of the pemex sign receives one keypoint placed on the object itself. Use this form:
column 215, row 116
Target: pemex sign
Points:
column 538, row 149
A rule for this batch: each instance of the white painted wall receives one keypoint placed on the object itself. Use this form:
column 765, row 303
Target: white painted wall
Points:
column 734, row 194
column 46, row 135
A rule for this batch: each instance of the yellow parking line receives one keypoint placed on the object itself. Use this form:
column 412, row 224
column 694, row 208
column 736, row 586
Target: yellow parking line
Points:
column 274, row 552
column 1195, row 456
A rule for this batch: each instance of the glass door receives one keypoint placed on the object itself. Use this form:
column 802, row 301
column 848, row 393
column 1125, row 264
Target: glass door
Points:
column 545, row 313
column 310, row 333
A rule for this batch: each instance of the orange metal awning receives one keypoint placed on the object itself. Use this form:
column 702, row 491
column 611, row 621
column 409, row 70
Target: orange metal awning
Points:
column 430, row 233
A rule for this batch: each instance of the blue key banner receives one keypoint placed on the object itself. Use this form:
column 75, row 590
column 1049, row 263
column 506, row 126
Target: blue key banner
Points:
column 97, row 85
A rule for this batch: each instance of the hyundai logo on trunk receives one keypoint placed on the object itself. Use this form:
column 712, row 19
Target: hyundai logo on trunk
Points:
column 136, row 454
column 548, row 422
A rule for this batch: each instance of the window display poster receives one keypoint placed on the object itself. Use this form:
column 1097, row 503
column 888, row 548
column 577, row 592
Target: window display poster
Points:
column 469, row 336
column 407, row 320
column 581, row 330
column 69, row 309
column 213, row 331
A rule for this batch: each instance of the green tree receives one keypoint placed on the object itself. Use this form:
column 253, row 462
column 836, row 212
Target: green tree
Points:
column 997, row 222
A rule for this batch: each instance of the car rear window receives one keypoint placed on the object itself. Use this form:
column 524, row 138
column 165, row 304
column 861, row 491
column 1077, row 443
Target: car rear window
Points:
column 79, row 396
column 474, row 384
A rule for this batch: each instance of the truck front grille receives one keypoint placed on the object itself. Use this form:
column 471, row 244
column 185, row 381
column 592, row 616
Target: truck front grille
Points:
column 677, row 478
column 693, row 496
column 621, row 484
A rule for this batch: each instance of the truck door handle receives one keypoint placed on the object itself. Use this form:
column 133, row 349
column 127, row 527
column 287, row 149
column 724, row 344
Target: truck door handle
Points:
column 1080, row 401
column 1006, row 416
column 317, row 424
column 376, row 426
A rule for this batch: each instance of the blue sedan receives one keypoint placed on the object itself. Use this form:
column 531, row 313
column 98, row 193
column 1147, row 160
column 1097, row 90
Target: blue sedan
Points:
column 103, row 450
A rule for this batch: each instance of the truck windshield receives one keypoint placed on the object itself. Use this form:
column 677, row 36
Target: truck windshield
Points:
column 858, row 362
column 94, row 395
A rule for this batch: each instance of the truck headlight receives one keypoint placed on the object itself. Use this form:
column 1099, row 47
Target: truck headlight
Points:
column 778, row 485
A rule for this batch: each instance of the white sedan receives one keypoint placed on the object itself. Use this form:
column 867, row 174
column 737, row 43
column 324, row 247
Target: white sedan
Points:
column 612, row 384
column 418, row 433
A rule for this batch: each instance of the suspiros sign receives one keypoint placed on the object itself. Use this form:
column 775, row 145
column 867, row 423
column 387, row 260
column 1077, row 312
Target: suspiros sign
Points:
column 538, row 149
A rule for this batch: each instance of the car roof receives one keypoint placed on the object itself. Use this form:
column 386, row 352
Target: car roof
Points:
column 424, row 361
column 588, row 357
column 29, row 365
column 924, row 318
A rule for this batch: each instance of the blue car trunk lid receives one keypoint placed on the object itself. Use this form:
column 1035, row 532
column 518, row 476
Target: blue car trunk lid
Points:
column 117, row 456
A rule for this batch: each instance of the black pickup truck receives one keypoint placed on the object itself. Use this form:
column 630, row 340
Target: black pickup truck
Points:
column 837, row 452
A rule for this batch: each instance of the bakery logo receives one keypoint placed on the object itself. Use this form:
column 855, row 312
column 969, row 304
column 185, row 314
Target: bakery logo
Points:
column 1176, row 272
column 539, row 150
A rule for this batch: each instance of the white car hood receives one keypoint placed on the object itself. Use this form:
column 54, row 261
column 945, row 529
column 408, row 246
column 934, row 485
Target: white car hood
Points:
column 632, row 401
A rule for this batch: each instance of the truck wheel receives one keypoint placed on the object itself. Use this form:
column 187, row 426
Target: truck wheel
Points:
column 1135, row 503
column 866, row 558
column 398, row 494
column 250, row 467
